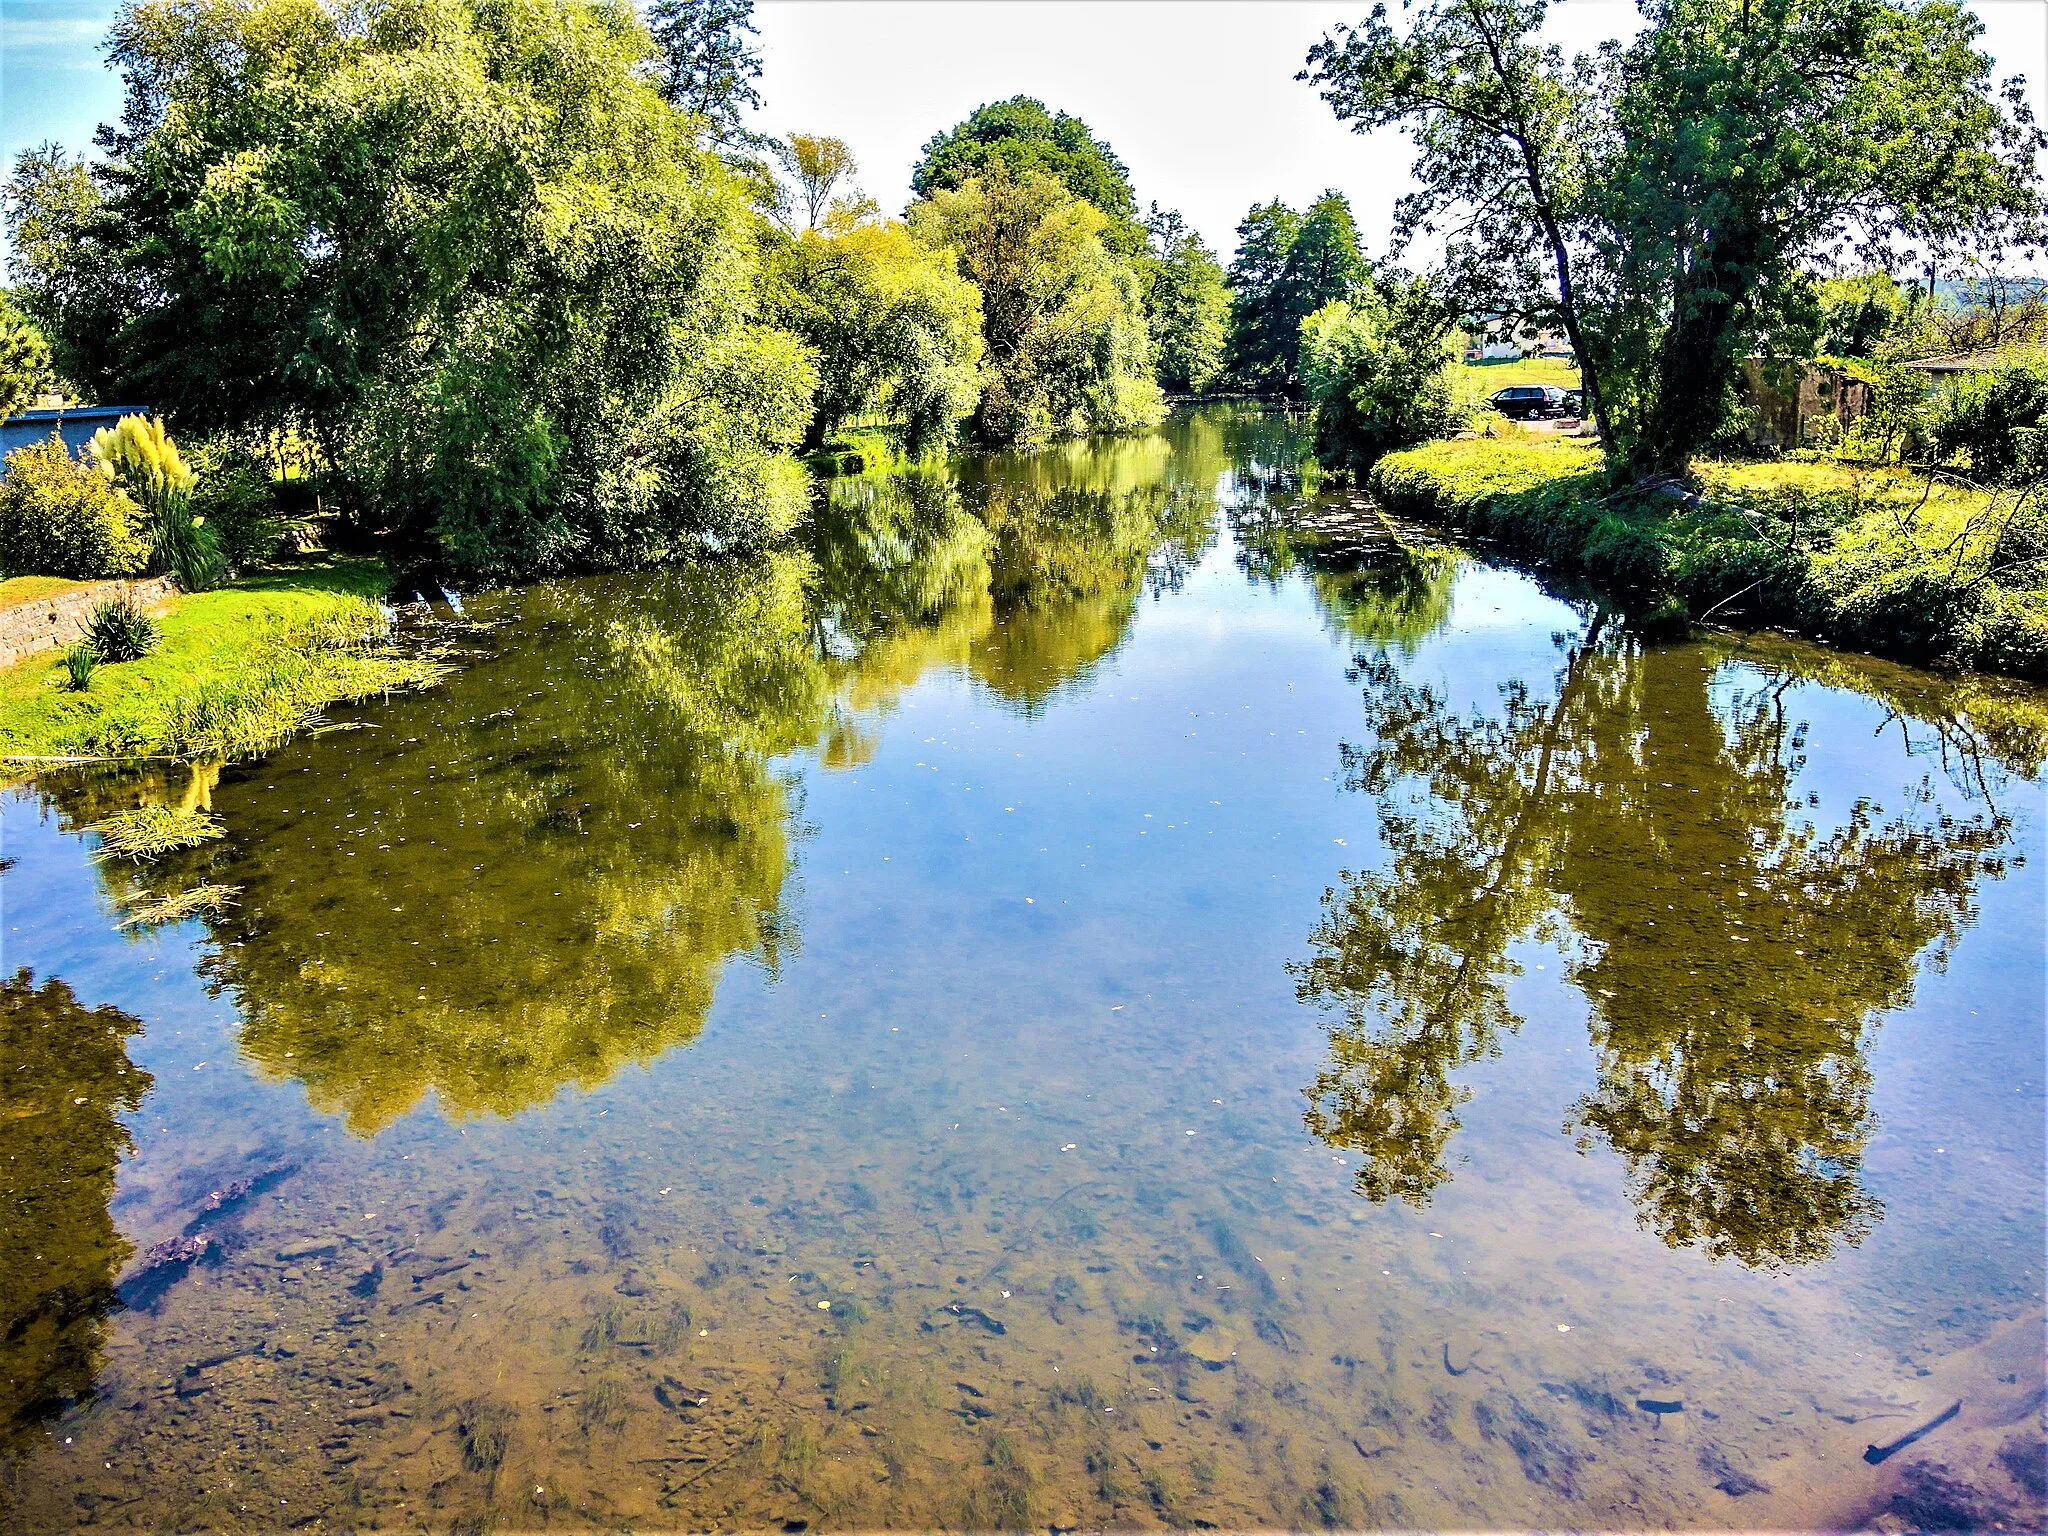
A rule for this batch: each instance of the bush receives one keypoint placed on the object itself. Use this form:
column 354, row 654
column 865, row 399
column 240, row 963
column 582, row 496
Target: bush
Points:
column 1996, row 417
column 118, row 630
column 137, row 454
column 236, row 499
column 1382, row 375
column 58, row 518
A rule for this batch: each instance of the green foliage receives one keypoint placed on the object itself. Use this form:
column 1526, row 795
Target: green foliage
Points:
column 1888, row 566
column 59, row 517
column 1382, row 372
column 1997, row 418
column 236, row 499
column 1287, row 267
column 79, row 662
column 137, row 455
column 24, row 359
column 118, row 630
column 1658, row 201
column 57, row 218
column 1186, row 303
column 707, row 64
column 468, row 250
column 1862, row 316
column 1064, row 324
column 1022, row 138
column 896, row 329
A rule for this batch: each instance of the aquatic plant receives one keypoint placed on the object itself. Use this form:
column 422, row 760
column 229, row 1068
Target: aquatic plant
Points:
column 118, row 630
column 150, row 831
column 148, row 911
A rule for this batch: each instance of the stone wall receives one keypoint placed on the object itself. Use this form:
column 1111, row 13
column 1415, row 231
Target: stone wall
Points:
column 44, row 623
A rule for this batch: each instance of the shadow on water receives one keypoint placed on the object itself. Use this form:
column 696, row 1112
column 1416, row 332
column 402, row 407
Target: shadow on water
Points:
column 68, row 1081
column 1735, row 944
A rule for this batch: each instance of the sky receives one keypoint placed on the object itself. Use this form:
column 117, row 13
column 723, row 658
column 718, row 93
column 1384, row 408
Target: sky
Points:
column 1197, row 97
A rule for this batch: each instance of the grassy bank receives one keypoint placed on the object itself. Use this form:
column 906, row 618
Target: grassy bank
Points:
column 1871, row 557
column 237, row 671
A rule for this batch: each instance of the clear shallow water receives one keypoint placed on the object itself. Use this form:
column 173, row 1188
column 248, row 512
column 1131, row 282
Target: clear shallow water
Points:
column 1071, row 1002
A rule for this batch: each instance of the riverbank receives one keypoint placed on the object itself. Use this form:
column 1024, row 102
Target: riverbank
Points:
column 236, row 671
column 1869, row 557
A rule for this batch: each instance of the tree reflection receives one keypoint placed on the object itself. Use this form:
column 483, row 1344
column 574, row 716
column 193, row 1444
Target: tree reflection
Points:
column 67, row 1083
column 538, row 873
column 1735, row 948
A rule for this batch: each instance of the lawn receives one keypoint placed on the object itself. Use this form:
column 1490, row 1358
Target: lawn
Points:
column 26, row 589
column 1868, row 556
column 1523, row 370
column 236, row 671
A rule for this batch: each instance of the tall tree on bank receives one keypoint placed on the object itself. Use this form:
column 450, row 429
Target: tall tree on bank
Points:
column 817, row 163
column 1287, row 267
column 1062, row 318
column 1024, row 137
column 708, row 62
column 1657, row 202
column 468, row 250
column 1186, row 303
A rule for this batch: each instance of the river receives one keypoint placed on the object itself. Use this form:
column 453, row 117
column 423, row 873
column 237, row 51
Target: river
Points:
column 1072, row 1000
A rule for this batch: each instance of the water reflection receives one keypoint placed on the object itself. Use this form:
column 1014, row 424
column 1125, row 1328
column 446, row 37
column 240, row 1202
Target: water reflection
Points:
column 561, row 911
column 1734, row 943
column 67, row 1083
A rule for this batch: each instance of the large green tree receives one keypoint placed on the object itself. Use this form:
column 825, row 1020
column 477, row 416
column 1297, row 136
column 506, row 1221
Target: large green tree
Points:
column 708, row 62
column 468, row 248
column 1186, row 303
column 1024, row 137
column 1063, row 319
column 1660, row 201
column 1287, row 267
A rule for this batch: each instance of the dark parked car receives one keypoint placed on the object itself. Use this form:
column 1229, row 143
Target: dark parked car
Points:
column 1575, row 402
column 1526, row 400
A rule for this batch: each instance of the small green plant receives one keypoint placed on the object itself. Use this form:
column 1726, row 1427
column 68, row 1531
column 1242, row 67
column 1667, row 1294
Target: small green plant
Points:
column 151, row 830
column 78, row 664
column 118, row 630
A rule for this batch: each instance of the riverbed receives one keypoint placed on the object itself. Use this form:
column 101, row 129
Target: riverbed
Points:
column 1104, row 989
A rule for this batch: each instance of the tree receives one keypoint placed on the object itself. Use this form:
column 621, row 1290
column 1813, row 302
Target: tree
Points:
column 1287, row 267
column 1062, row 318
column 1499, row 151
column 1863, row 315
column 56, row 221
column 1023, row 137
column 1186, row 303
column 895, row 327
column 24, row 359
column 818, row 164
column 707, row 64
column 1382, row 372
column 1659, row 202
column 475, row 257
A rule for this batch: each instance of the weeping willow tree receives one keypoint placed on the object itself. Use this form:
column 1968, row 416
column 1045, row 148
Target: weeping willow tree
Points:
column 1736, row 951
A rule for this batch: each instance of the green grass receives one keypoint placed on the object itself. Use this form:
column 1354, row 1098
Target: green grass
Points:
column 237, row 672
column 26, row 589
column 1523, row 370
column 1862, row 556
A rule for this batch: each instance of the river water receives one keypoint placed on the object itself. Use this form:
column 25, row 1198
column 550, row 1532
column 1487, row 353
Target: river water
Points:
column 1076, row 1000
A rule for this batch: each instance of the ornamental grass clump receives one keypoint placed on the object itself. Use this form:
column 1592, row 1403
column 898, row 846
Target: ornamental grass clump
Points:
column 137, row 455
column 118, row 630
column 78, row 664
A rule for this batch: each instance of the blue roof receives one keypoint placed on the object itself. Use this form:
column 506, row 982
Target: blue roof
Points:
column 59, row 412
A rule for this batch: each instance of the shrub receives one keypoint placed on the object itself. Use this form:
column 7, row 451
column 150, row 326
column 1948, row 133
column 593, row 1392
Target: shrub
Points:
column 1996, row 417
column 78, row 664
column 118, row 630
column 137, row 454
column 58, row 518
column 1382, row 375
column 235, row 499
